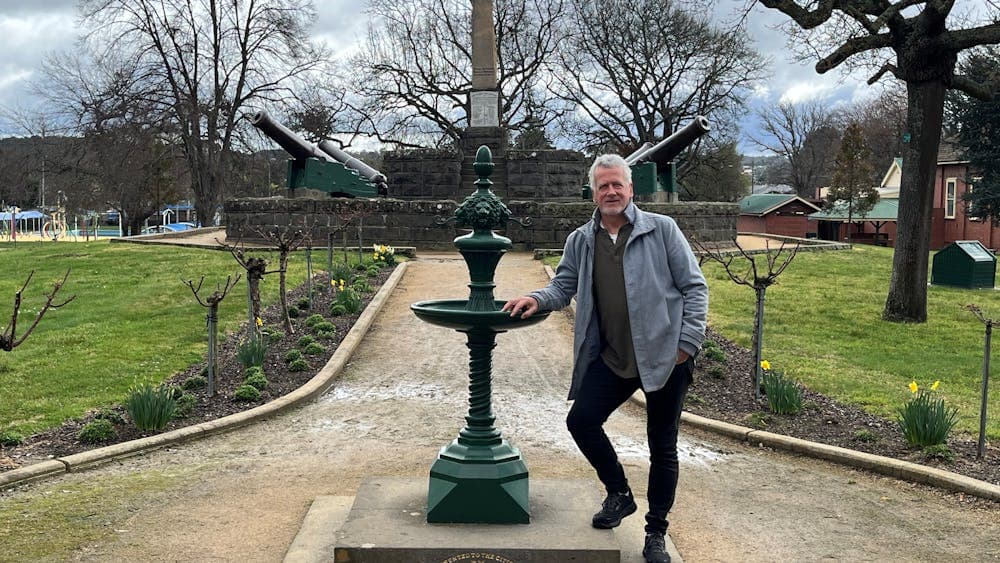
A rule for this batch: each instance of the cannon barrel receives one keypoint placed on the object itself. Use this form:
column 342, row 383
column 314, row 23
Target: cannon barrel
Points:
column 294, row 145
column 666, row 150
column 367, row 172
column 638, row 152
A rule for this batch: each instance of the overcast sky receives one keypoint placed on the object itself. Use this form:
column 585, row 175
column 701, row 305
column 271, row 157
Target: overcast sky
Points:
column 32, row 29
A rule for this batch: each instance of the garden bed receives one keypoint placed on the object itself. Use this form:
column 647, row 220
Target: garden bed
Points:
column 723, row 390
column 63, row 440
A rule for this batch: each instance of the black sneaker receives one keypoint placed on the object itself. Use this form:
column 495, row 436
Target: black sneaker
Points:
column 655, row 550
column 614, row 508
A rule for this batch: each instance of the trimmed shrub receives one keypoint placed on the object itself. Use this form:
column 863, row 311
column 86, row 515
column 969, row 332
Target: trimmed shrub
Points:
column 194, row 382
column 314, row 319
column 110, row 415
column 305, row 341
column 257, row 380
column 96, row 431
column 293, row 312
column 246, row 393
column 185, row 405
column 337, row 310
column 150, row 408
column 252, row 370
column 293, row 355
column 326, row 334
column 274, row 335
column 298, row 365
column 10, row 438
column 302, row 303
column 715, row 354
column 314, row 349
column 325, row 326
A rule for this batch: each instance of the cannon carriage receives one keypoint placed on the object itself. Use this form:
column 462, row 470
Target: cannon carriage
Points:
column 324, row 167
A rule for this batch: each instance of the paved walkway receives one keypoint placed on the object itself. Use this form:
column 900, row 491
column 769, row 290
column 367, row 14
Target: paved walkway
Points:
column 241, row 496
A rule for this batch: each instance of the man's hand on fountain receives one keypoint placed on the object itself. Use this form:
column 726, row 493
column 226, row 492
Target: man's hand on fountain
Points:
column 526, row 305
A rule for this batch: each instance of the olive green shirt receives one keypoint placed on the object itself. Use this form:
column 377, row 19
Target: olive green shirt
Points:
column 612, row 306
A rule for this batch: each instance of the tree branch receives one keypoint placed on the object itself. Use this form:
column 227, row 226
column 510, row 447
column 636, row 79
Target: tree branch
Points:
column 853, row 46
column 807, row 19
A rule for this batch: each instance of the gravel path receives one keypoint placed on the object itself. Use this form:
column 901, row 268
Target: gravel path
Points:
column 242, row 496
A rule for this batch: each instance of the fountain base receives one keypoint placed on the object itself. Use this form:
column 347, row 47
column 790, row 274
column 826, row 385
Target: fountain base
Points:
column 478, row 493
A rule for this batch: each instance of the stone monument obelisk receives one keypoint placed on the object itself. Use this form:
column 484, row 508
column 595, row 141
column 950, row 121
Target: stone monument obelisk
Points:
column 484, row 99
column 484, row 96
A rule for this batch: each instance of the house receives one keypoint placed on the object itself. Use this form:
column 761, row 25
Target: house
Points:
column 950, row 220
column 779, row 214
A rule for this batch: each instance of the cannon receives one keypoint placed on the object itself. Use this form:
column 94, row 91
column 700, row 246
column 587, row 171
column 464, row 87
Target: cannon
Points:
column 653, row 165
column 325, row 168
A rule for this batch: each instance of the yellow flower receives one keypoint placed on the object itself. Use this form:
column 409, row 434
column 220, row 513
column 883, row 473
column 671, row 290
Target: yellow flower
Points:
column 765, row 365
column 260, row 323
column 913, row 387
column 935, row 385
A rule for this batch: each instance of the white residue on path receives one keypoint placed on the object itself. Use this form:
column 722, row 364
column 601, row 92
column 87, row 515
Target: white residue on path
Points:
column 398, row 391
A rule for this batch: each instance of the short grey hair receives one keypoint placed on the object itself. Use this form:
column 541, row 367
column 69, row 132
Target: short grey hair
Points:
column 610, row 161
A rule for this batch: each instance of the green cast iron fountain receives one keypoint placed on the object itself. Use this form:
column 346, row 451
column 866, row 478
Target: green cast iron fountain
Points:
column 479, row 477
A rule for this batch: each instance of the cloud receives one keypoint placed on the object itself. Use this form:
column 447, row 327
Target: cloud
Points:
column 26, row 37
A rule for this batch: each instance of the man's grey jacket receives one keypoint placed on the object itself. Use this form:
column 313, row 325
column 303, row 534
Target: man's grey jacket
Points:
column 666, row 293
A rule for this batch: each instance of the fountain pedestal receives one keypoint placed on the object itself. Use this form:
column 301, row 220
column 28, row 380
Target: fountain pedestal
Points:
column 479, row 477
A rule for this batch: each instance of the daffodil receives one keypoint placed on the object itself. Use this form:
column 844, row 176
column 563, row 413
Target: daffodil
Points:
column 260, row 323
column 934, row 386
column 913, row 387
column 765, row 365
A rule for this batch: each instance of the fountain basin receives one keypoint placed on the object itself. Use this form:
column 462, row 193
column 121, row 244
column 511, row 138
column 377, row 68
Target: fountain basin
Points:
column 452, row 313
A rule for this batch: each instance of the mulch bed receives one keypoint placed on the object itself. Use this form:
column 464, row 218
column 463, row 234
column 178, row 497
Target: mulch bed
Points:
column 723, row 390
column 62, row 441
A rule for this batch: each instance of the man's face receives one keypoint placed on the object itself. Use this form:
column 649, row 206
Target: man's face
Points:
column 611, row 192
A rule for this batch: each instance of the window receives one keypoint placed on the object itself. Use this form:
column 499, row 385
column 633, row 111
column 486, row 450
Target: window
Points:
column 968, row 205
column 949, row 198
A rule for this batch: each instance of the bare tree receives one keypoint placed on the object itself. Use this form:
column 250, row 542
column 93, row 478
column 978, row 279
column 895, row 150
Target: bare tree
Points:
column 806, row 136
column 123, row 158
column 211, row 302
column 635, row 71
column 752, row 277
column 212, row 59
column 285, row 240
column 883, row 124
column 8, row 337
column 925, row 46
column 417, row 64
column 717, row 177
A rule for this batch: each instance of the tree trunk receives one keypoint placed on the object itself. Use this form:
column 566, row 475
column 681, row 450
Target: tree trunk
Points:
column 283, row 294
column 907, row 300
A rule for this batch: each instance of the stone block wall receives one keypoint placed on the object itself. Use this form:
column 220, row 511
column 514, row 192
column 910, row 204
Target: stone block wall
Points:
column 423, row 174
column 414, row 222
column 549, row 175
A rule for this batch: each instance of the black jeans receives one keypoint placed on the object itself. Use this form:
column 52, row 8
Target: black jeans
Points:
column 600, row 394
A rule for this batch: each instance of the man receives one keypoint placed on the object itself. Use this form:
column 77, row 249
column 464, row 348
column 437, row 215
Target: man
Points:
column 640, row 320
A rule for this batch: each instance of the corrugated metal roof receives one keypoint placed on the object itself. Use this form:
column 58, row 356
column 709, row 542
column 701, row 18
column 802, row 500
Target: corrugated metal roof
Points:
column 884, row 210
column 759, row 204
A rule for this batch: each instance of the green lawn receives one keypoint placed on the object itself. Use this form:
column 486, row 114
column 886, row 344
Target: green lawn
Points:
column 823, row 327
column 132, row 320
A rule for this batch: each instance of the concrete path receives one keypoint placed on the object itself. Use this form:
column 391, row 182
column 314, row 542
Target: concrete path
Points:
column 242, row 496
